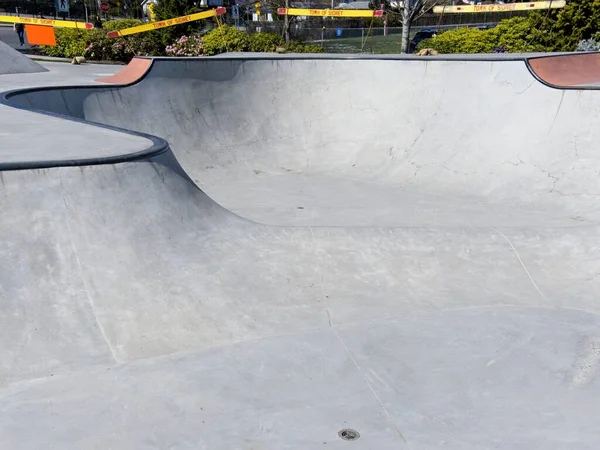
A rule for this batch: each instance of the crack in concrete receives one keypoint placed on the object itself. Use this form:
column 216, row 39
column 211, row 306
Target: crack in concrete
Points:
column 555, row 179
column 371, row 388
column 418, row 168
column 411, row 146
column 421, row 133
column 523, row 265
column 562, row 97
column 527, row 88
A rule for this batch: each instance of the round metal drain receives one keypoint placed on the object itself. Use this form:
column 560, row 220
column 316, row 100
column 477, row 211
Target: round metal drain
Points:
column 348, row 434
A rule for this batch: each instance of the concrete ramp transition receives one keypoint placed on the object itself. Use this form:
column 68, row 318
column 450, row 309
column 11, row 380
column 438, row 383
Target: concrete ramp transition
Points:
column 12, row 62
column 404, row 248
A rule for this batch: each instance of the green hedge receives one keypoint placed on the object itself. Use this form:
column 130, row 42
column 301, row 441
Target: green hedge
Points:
column 301, row 47
column 461, row 40
column 518, row 35
column 514, row 35
column 229, row 39
column 265, row 42
column 94, row 45
column 70, row 42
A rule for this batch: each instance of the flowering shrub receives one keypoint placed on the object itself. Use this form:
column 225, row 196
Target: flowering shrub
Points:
column 229, row 39
column 101, row 48
column 186, row 46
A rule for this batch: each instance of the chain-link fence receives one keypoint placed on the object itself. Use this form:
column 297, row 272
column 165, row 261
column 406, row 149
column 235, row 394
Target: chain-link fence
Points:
column 369, row 35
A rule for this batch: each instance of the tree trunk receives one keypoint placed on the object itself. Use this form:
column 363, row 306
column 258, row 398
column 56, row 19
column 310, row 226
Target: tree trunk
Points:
column 286, row 24
column 404, row 43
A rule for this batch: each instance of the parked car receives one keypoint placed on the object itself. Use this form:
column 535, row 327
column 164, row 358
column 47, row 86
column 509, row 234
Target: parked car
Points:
column 487, row 26
column 420, row 36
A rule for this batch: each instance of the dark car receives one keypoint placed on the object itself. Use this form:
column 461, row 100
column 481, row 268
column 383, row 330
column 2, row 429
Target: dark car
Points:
column 420, row 36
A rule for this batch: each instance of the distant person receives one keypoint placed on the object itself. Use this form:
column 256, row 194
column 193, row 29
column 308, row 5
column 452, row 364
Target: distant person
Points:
column 97, row 22
column 41, row 16
column 20, row 29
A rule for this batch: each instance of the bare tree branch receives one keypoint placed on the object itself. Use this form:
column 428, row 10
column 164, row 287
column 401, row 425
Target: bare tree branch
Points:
column 421, row 7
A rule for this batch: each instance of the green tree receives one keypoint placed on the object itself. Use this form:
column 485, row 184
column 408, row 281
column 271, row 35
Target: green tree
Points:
column 520, row 35
column 461, row 40
column 410, row 12
column 578, row 20
column 285, row 22
column 167, row 9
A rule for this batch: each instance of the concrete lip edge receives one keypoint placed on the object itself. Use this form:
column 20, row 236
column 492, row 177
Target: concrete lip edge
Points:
column 158, row 146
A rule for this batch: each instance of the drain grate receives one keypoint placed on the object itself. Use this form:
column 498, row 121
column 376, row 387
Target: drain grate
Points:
column 349, row 434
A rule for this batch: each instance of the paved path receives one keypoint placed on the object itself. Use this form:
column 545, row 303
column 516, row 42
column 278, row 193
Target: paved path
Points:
column 9, row 36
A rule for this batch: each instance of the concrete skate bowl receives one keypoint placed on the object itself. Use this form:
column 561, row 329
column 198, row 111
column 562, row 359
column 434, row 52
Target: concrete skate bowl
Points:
column 342, row 248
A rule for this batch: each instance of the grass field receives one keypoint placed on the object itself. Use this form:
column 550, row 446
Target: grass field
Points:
column 372, row 44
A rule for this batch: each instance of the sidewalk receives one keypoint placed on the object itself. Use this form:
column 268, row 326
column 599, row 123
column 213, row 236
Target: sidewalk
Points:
column 68, row 60
column 48, row 58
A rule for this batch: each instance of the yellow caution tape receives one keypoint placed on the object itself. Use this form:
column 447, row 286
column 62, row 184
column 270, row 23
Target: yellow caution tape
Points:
column 47, row 22
column 499, row 8
column 330, row 12
column 166, row 23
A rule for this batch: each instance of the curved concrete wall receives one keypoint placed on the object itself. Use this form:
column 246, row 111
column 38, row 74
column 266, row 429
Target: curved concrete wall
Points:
column 481, row 131
column 153, row 317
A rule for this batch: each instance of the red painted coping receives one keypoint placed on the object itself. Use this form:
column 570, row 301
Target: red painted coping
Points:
column 132, row 72
column 568, row 70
